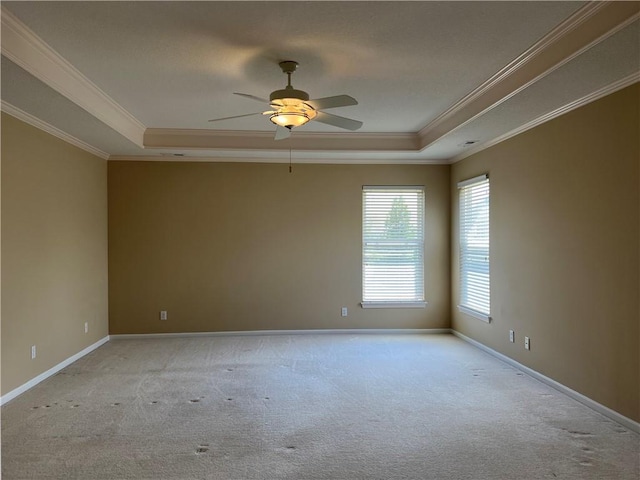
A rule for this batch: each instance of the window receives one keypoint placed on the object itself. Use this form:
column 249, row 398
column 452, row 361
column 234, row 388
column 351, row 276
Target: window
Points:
column 475, row 298
column 392, row 247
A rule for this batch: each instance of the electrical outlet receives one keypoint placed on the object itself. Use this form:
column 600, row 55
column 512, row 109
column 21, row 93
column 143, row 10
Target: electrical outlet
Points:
column 33, row 352
column 344, row 311
column 163, row 315
column 527, row 343
column 86, row 327
column 512, row 336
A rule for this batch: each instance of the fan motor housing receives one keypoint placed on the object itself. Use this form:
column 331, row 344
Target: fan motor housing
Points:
column 289, row 93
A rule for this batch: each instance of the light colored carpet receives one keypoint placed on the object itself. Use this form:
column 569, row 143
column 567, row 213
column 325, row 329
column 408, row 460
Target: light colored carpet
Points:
column 305, row 407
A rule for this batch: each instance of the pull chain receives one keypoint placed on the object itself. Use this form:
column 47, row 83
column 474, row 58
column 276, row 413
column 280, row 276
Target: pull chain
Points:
column 290, row 166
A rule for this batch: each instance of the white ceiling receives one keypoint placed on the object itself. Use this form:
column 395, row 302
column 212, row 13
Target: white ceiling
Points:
column 139, row 80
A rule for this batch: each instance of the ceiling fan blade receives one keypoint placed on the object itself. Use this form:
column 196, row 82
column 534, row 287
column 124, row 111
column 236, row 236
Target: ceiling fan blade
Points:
column 252, row 97
column 332, row 102
column 336, row 121
column 282, row 133
column 236, row 116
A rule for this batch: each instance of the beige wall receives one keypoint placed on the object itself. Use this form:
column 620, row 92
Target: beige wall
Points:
column 252, row 247
column 54, row 251
column 564, row 249
column 225, row 247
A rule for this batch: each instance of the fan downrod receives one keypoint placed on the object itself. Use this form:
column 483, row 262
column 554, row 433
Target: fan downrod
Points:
column 288, row 67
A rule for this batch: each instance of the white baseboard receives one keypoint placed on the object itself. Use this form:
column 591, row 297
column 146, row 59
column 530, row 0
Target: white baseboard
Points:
column 356, row 331
column 606, row 411
column 52, row 371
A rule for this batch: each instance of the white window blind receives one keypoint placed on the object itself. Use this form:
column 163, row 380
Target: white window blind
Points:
column 393, row 246
column 475, row 282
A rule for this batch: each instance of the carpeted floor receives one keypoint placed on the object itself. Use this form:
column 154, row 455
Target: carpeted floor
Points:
column 305, row 407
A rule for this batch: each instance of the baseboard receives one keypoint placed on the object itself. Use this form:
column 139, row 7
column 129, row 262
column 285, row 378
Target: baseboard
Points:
column 356, row 331
column 606, row 411
column 52, row 371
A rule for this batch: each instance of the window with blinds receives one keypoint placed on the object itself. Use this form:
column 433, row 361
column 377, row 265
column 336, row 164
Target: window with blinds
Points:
column 475, row 280
column 392, row 246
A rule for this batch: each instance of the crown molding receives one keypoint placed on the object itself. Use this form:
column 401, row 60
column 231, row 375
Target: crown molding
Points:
column 588, row 26
column 23, row 47
column 284, row 159
column 46, row 127
column 581, row 102
column 192, row 139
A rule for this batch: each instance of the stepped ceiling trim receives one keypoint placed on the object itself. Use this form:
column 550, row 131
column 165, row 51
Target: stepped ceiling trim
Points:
column 581, row 102
column 326, row 142
column 46, row 127
column 23, row 47
column 586, row 27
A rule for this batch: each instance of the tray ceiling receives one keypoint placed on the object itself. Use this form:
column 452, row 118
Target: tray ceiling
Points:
column 139, row 80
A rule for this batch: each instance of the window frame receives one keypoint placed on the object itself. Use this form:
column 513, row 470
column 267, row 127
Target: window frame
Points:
column 466, row 267
column 418, row 245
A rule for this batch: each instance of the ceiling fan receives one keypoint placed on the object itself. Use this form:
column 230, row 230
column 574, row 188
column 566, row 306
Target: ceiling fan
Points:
column 292, row 108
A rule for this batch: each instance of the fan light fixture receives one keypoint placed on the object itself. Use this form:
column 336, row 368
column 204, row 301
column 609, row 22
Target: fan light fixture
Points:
column 291, row 112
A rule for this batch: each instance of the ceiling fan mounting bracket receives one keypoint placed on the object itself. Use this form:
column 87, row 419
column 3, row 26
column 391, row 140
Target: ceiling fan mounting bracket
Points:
column 288, row 66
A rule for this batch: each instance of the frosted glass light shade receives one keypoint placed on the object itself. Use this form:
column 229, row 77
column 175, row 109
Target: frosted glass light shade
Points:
column 291, row 112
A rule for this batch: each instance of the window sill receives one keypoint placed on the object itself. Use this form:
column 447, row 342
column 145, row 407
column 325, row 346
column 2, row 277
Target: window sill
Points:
column 474, row 313
column 393, row 304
